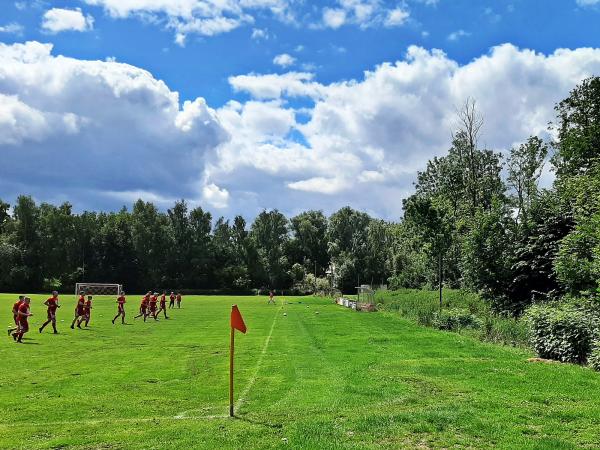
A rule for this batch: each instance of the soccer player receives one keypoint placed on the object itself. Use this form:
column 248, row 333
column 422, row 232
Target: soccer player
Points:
column 52, row 305
column 87, row 310
column 79, row 312
column 153, row 301
column 121, row 308
column 271, row 297
column 144, row 306
column 163, row 304
column 23, row 314
column 15, row 311
column 172, row 300
column 178, row 298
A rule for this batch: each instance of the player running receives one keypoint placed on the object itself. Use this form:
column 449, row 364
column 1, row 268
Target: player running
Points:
column 271, row 297
column 15, row 312
column 52, row 305
column 163, row 304
column 121, row 308
column 87, row 310
column 23, row 314
column 79, row 312
column 178, row 298
column 152, row 304
column 172, row 300
column 144, row 306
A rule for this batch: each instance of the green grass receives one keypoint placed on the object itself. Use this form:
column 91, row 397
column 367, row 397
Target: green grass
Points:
column 422, row 306
column 337, row 379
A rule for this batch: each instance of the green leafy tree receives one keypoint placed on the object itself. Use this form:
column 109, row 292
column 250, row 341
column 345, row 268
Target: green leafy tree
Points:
column 348, row 244
column 270, row 235
column 308, row 245
column 524, row 166
column 434, row 227
column 577, row 163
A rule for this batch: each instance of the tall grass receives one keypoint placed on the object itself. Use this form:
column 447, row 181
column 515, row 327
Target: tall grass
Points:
column 423, row 307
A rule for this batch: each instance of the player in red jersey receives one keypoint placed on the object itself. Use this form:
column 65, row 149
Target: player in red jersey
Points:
column 87, row 310
column 15, row 312
column 23, row 314
column 144, row 306
column 121, row 308
column 163, row 304
column 271, row 297
column 79, row 312
column 178, row 298
column 52, row 305
column 153, row 301
column 172, row 300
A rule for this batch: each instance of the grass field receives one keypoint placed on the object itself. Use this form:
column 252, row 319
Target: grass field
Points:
column 337, row 379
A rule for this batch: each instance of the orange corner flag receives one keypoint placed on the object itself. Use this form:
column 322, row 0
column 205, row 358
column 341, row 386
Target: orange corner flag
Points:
column 237, row 321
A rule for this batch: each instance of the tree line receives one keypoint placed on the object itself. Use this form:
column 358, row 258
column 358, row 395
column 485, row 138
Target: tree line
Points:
column 50, row 247
column 477, row 220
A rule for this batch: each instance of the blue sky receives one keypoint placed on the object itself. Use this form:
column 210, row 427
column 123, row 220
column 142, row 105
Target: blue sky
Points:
column 242, row 147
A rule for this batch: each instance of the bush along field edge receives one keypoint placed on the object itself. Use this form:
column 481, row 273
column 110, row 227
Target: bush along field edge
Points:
column 567, row 331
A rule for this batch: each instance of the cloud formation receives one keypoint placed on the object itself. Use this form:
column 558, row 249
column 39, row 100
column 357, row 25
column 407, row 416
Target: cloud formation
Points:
column 102, row 133
column 95, row 131
column 364, row 140
column 202, row 17
column 12, row 28
column 56, row 20
column 364, row 14
column 284, row 60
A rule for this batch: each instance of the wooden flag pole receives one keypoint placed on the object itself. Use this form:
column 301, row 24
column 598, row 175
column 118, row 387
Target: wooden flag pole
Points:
column 231, row 346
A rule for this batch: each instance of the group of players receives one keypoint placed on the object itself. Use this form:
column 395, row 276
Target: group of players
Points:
column 21, row 311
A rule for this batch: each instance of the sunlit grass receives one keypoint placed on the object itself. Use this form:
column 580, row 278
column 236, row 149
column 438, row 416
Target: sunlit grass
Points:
column 330, row 378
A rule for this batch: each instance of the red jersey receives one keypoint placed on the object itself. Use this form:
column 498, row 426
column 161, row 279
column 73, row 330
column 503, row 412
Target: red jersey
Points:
column 121, row 301
column 178, row 297
column 23, row 309
column 15, row 308
column 172, row 297
column 80, row 305
column 153, row 300
column 52, row 304
column 144, row 301
column 88, row 305
column 163, row 300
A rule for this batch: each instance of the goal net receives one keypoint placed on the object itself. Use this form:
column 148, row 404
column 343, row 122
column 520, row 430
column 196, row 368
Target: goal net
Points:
column 98, row 288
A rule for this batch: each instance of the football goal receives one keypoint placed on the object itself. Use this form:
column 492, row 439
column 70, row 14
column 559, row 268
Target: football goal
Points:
column 98, row 288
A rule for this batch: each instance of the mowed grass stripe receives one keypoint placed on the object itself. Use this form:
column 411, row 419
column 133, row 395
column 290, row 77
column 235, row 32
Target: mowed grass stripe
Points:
column 337, row 379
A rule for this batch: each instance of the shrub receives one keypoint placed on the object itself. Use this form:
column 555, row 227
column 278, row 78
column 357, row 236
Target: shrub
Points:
column 455, row 319
column 560, row 331
column 503, row 330
column 594, row 358
column 51, row 284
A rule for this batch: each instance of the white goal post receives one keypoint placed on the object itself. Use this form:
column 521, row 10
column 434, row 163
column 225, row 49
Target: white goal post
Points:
column 98, row 288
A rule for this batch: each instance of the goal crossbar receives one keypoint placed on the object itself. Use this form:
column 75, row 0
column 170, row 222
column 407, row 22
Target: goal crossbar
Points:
column 98, row 288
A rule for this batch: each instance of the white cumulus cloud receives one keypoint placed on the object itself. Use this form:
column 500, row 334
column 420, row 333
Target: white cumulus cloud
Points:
column 358, row 142
column 56, row 20
column 202, row 17
column 284, row 60
column 396, row 17
column 94, row 132
column 363, row 13
column 365, row 139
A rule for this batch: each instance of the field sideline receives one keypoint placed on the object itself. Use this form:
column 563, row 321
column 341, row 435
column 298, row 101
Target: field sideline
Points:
column 337, row 379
